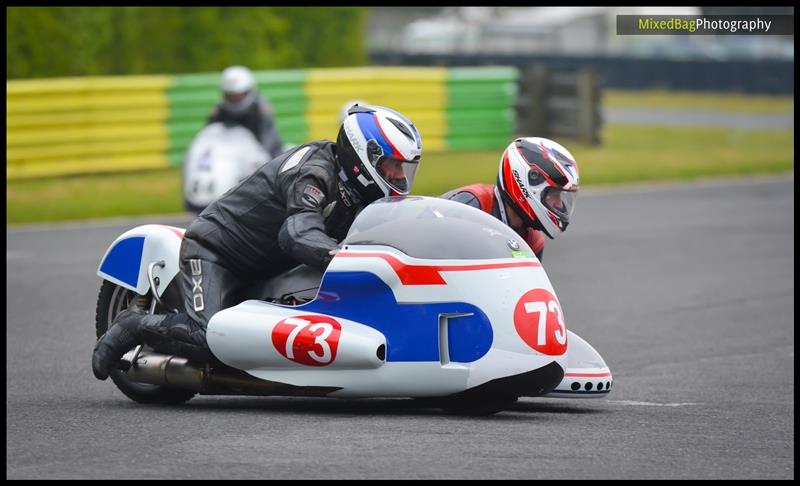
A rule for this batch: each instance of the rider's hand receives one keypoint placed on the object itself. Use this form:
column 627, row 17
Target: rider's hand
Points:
column 334, row 252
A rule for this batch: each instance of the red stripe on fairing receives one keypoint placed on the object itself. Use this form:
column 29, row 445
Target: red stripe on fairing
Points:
column 177, row 231
column 429, row 274
column 397, row 154
column 587, row 375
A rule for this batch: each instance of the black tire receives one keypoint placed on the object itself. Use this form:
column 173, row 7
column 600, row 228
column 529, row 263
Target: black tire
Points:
column 110, row 301
column 476, row 405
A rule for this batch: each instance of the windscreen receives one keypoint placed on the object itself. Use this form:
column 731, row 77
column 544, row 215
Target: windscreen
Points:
column 428, row 227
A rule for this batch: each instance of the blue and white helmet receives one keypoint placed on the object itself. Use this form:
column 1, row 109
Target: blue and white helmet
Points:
column 346, row 108
column 379, row 151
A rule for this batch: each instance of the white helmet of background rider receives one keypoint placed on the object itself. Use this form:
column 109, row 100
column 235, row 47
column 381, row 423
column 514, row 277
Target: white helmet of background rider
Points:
column 379, row 151
column 238, row 86
column 346, row 107
column 538, row 178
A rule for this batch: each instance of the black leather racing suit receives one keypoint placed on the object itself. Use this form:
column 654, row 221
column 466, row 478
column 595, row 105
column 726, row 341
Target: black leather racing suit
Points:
column 292, row 210
column 258, row 118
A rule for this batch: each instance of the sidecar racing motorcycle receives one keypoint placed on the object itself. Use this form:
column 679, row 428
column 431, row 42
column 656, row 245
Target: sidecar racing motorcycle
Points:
column 218, row 158
column 427, row 298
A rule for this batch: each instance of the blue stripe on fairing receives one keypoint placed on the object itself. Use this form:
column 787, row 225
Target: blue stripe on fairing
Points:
column 411, row 329
column 123, row 261
column 369, row 127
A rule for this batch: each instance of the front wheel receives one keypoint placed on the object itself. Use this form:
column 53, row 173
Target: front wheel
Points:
column 111, row 300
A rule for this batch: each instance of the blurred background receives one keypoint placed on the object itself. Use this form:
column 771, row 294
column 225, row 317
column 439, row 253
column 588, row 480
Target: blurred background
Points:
column 103, row 102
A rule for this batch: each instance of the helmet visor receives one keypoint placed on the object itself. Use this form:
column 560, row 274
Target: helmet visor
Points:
column 398, row 174
column 238, row 102
column 235, row 98
column 560, row 202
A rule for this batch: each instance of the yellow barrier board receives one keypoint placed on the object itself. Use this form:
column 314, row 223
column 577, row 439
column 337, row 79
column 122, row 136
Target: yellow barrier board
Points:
column 95, row 148
column 61, row 126
column 81, row 118
column 332, row 101
column 326, row 75
column 113, row 163
column 78, row 134
column 85, row 102
column 430, row 124
column 418, row 93
column 87, row 84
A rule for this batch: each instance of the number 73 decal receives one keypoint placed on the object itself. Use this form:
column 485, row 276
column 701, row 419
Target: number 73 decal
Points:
column 310, row 340
column 540, row 323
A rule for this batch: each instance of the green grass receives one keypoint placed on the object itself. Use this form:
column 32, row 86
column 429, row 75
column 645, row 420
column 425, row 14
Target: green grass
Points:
column 635, row 154
column 628, row 154
column 671, row 100
column 93, row 196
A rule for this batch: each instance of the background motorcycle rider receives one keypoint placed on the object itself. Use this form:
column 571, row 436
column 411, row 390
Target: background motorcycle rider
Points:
column 294, row 209
column 537, row 184
column 242, row 104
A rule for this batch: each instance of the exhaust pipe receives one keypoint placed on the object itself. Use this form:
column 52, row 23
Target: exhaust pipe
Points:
column 178, row 372
column 162, row 369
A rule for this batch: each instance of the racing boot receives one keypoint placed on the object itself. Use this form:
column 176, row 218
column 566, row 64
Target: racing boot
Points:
column 118, row 340
column 176, row 334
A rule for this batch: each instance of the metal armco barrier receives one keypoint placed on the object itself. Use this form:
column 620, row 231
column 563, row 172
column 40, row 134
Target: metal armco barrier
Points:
column 560, row 104
column 754, row 76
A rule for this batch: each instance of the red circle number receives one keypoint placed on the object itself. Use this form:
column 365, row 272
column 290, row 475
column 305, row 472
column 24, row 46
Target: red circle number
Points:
column 540, row 323
column 310, row 340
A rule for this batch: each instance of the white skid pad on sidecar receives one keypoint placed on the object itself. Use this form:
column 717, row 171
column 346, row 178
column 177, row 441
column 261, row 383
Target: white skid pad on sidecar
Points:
column 586, row 376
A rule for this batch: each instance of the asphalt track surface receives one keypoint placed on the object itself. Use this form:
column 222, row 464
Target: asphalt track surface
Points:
column 686, row 291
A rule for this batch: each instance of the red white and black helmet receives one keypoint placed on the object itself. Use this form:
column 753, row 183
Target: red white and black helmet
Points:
column 538, row 178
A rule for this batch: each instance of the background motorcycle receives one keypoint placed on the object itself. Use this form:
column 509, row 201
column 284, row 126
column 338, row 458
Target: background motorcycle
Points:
column 218, row 158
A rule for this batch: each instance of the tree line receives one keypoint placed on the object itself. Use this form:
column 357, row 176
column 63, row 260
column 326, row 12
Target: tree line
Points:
column 92, row 41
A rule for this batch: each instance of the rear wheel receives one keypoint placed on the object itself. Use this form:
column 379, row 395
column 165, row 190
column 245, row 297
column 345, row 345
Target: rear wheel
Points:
column 111, row 300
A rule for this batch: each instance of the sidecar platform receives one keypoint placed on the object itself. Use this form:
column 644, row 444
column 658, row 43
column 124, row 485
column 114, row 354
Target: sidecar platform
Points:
column 586, row 376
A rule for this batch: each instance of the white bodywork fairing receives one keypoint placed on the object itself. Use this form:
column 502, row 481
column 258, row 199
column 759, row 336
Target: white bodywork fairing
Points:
column 448, row 325
column 128, row 259
column 218, row 159
column 385, row 323
column 242, row 336
column 587, row 375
